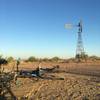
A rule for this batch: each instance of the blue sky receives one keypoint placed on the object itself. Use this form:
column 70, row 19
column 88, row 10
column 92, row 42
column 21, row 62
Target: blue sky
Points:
column 36, row 27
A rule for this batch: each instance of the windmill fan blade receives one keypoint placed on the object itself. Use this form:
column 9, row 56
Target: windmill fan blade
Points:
column 68, row 26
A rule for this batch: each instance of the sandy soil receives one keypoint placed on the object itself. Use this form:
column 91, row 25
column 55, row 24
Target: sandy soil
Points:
column 71, row 81
column 59, row 86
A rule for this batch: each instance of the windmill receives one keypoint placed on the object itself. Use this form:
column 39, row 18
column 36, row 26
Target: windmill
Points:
column 80, row 54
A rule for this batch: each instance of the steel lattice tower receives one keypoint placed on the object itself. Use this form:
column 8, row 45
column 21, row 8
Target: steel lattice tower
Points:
column 80, row 49
column 80, row 54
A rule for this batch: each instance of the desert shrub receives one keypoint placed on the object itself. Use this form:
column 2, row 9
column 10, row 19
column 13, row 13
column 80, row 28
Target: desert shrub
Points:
column 10, row 59
column 31, row 59
column 94, row 58
column 45, row 59
column 55, row 59
column 3, row 61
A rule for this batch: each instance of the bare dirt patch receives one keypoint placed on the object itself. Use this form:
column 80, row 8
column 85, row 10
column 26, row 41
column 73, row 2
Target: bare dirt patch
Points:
column 73, row 87
column 71, row 82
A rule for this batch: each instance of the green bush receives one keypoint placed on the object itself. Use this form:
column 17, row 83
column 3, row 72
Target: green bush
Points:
column 31, row 59
column 10, row 59
column 55, row 59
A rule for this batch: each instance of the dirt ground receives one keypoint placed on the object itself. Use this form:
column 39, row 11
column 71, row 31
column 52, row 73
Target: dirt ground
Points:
column 59, row 87
column 71, row 82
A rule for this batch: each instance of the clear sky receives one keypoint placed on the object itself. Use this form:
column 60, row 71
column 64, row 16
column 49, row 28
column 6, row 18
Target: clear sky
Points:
column 36, row 27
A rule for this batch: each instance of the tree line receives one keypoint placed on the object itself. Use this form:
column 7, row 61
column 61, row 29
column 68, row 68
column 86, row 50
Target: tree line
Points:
column 53, row 59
